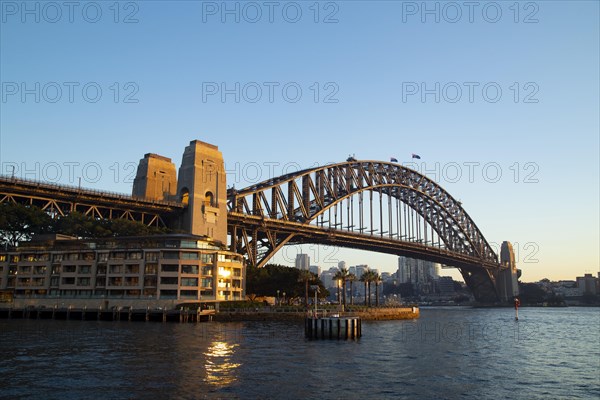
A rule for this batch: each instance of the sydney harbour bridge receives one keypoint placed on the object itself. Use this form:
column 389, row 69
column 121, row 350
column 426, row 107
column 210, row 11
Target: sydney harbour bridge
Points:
column 370, row 205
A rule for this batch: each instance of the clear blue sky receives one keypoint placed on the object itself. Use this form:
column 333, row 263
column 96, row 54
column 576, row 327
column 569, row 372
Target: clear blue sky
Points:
column 378, row 67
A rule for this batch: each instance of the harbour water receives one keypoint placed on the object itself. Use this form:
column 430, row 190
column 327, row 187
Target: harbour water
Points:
column 449, row 353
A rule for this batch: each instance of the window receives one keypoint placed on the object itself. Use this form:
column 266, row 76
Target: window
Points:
column 88, row 257
column 26, row 269
column 189, row 244
column 101, row 270
column 132, row 269
column 68, row 281
column 188, row 294
column 207, row 270
column 69, row 269
column 132, row 281
column 73, row 256
column 150, row 269
column 150, row 281
column 135, row 255
column 115, row 281
column 168, row 294
column 169, row 280
column 185, row 195
column 207, row 282
column 39, row 270
column 189, row 281
column 83, row 281
column 37, row 282
column 152, row 256
column 57, row 258
column 116, row 269
column 2, row 257
column 189, row 269
column 170, row 255
column 189, row 255
column 85, row 269
column 207, row 258
column 117, row 255
column 103, row 257
column 169, row 268
column 173, row 244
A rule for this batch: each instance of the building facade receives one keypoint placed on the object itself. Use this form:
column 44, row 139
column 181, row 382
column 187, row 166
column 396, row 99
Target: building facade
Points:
column 302, row 262
column 162, row 269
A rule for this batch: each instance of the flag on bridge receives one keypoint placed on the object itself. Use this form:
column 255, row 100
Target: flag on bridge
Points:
column 392, row 159
column 416, row 156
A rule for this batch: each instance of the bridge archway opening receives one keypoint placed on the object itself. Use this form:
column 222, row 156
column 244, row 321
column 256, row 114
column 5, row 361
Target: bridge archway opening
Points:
column 184, row 195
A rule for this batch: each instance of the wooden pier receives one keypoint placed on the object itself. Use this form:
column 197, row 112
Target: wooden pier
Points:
column 347, row 328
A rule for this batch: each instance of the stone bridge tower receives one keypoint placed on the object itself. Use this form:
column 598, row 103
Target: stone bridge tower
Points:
column 507, row 280
column 202, row 185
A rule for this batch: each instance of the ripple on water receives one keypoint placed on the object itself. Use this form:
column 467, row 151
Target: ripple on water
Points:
column 549, row 354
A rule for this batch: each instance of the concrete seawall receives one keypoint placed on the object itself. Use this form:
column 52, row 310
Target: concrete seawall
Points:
column 372, row 314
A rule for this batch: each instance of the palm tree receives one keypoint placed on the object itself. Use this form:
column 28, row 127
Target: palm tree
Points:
column 365, row 278
column 377, row 281
column 306, row 277
column 351, row 278
column 342, row 275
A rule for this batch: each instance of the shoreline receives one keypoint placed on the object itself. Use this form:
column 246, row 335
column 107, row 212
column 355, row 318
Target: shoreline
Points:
column 186, row 315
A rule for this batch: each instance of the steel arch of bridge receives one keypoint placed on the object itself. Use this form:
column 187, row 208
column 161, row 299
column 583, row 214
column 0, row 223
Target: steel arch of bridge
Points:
column 264, row 217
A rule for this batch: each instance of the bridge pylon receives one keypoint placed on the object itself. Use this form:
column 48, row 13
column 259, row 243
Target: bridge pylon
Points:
column 202, row 186
column 507, row 279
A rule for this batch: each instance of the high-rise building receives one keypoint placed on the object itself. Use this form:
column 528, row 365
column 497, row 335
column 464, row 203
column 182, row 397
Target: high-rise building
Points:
column 342, row 264
column 302, row 261
column 361, row 269
column 417, row 272
column 315, row 269
column 586, row 284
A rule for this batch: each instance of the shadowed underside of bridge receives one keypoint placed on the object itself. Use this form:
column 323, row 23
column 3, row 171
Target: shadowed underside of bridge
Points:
column 368, row 205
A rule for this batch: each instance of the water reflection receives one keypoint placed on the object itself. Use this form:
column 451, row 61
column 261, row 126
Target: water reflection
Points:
column 219, row 365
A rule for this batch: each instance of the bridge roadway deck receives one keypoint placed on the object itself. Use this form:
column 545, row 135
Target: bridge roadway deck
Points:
column 303, row 233
column 73, row 194
column 313, row 234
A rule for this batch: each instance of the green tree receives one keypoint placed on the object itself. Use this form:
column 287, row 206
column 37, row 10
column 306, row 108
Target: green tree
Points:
column 376, row 279
column 365, row 278
column 342, row 275
column 266, row 281
column 20, row 222
column 351, row 278
column 306, row 277
column 531, row 293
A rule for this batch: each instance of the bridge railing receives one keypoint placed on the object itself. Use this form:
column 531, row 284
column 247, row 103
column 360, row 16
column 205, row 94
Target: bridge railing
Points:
column 80, row 190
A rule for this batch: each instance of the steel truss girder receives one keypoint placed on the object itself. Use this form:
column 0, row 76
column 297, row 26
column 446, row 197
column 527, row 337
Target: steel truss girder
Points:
column 61, row 200
column 311, row 192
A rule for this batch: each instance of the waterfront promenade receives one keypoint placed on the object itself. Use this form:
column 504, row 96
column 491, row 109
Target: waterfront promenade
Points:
column 194, row 315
